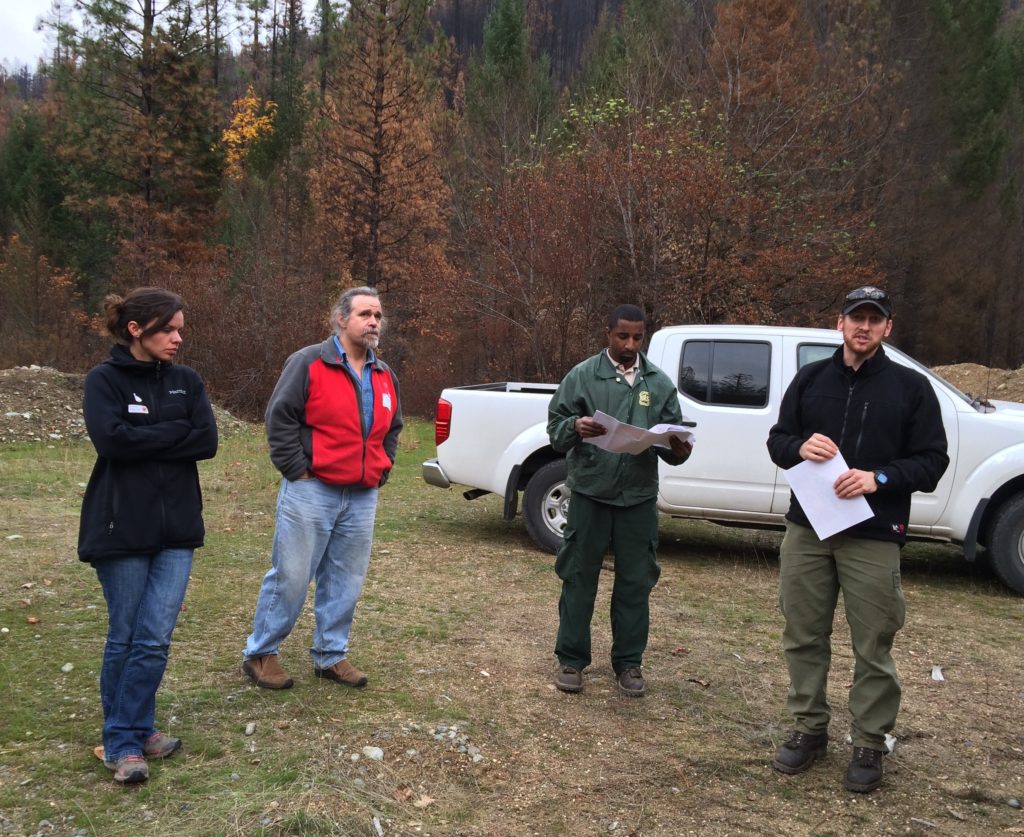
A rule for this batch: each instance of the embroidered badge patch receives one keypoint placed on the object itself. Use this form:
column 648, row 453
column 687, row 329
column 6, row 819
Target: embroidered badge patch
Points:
column 644, row 399
column 385, row 400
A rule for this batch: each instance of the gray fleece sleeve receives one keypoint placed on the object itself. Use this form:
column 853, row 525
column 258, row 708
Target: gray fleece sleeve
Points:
column 285, row 418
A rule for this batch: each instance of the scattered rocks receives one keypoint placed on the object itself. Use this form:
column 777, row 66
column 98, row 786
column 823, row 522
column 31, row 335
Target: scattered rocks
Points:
column 1013, row 803
column 250, row 728
column 373, row 753
column 451, row 736
column 40, row 404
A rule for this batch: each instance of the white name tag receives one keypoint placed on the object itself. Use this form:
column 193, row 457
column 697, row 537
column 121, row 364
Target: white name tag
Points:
column 138, row 408
column 385, row 400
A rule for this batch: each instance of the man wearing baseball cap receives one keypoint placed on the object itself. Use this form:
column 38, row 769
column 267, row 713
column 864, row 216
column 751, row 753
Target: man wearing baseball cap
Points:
column 884, row 419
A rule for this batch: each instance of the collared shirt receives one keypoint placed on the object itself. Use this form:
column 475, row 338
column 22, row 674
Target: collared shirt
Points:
column 365, row 384
column 628, row 374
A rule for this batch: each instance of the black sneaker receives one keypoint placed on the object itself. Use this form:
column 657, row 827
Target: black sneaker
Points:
column 864, row 772
column 569, row 679
column 800, row 752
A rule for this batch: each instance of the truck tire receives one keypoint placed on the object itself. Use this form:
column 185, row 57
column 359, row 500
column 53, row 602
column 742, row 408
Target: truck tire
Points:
column 546, row 505
column 1006, row 543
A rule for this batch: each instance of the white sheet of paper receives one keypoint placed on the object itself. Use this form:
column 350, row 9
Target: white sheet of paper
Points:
column 812, row 483
column 626, row 438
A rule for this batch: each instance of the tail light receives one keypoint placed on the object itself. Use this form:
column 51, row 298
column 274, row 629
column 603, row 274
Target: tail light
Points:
column 443, row 422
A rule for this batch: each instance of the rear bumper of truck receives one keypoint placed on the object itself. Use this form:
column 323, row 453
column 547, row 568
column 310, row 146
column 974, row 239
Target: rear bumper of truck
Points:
column 433, row 474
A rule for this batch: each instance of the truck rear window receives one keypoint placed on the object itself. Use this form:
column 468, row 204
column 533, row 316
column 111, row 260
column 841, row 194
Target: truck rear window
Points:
column 725, row 372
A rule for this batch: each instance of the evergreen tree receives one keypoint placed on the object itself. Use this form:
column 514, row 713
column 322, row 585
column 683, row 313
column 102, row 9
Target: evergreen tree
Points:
column 509, row 99
column 645, row 54
column 139, row 130
column 31, row 188
column 977, row 82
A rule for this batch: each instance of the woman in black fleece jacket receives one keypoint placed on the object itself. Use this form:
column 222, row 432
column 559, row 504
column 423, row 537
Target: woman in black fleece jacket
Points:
column 150, row 421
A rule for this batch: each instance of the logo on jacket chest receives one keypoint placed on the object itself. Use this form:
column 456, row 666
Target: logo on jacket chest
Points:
column 644, row 398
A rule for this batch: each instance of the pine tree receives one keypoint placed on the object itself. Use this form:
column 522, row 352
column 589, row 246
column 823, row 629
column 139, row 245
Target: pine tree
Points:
column 509, row 99
column 139, row 120
column 376, row 183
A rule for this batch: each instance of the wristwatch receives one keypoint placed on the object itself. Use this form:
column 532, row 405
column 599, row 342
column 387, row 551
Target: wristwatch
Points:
column 880, row 478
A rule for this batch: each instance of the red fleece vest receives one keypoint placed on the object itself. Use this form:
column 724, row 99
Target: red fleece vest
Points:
column 340, row 454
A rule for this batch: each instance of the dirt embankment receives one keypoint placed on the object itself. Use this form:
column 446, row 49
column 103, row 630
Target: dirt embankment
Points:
column 984, row 382
column 39, row 404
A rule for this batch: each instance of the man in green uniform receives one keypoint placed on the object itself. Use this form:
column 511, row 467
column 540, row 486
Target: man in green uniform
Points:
column 613, row 499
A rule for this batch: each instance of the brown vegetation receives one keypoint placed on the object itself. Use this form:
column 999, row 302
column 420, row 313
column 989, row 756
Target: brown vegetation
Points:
column 740, row 161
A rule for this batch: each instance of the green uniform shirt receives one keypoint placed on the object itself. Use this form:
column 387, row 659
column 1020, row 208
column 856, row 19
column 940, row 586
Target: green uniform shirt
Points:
column 619, row 479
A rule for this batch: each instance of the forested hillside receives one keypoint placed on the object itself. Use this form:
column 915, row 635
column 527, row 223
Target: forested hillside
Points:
column 505, row 170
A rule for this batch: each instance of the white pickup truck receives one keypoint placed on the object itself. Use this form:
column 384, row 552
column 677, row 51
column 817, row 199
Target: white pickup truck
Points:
column 730, row 380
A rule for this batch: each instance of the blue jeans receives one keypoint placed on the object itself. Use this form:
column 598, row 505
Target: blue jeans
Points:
column 144, row 596
column 322, row 532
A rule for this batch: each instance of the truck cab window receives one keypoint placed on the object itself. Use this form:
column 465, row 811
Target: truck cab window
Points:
column 810, row 352
column 725, row 372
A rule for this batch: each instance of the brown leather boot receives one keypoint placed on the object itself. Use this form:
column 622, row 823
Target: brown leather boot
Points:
column 342, row 672
column 266, row 672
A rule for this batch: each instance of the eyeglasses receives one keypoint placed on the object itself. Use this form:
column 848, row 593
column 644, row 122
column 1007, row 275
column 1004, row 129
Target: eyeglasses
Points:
column 868, row 293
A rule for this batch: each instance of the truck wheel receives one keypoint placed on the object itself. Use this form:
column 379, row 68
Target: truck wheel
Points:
column 546, row 505
column 1006, row 543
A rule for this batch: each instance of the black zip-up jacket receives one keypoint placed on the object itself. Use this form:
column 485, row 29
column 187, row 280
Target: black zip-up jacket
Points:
column 883, row 416
column 150, row 423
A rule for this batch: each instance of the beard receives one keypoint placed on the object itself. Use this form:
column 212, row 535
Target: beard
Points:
column 370, row 340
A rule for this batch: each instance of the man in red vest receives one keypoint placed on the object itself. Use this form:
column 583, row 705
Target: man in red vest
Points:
column 332, row 424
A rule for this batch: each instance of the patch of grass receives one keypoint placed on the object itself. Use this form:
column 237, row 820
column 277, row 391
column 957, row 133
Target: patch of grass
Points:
column 455, row 629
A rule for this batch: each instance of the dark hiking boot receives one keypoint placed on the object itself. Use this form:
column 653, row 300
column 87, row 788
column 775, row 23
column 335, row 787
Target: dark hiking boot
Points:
column 631, row 682
column 864, row 772
column 569, row 679
column 800, row 751
column 266, row 672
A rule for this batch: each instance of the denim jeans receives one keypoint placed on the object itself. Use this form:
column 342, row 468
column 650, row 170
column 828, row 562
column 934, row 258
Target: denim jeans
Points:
column 322, row 533
column 144, row 596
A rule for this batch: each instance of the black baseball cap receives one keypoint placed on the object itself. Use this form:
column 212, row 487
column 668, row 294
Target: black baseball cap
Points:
column 868, row 295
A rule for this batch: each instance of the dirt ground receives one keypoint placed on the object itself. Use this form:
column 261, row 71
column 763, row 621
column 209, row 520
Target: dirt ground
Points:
column 456, row 626
column 38, row 403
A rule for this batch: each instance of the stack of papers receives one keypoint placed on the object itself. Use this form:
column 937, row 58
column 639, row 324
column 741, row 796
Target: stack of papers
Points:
column 626, row 438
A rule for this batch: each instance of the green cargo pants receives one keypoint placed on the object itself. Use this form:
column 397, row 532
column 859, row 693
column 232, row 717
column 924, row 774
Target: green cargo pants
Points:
column 812, row 574
column 632, row 534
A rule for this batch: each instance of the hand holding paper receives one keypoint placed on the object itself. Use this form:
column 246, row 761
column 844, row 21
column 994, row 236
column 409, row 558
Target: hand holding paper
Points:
column 620, row 437
column 813, row 484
